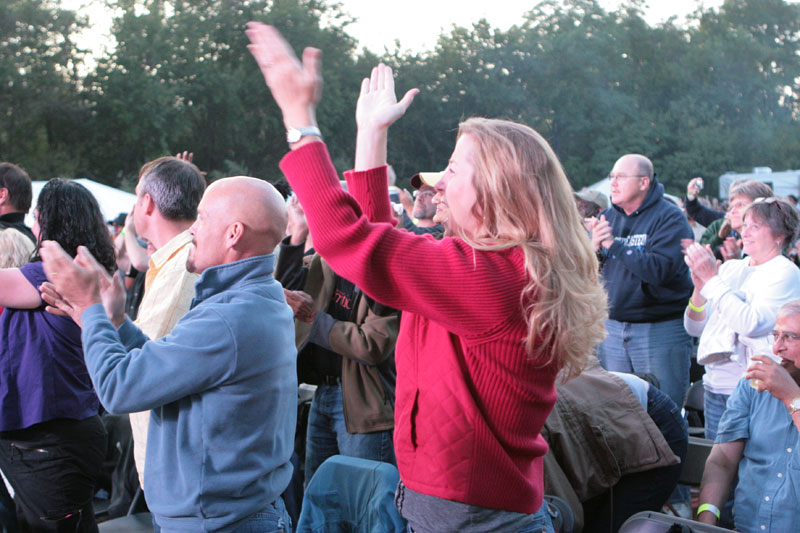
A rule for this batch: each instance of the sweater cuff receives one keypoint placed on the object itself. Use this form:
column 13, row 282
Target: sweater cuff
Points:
column 321, row 330
column 371, row 189
column 93, row 313
column 714, row 288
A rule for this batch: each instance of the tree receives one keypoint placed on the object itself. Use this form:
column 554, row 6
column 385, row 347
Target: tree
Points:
column 39, row 79
column 181, row 78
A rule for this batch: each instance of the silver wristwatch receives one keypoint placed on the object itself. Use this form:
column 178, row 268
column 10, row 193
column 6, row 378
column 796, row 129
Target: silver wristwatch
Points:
column 295, row 134
column 794, row 406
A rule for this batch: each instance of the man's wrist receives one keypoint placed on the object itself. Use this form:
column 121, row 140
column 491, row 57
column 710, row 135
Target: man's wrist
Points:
column 710, row 508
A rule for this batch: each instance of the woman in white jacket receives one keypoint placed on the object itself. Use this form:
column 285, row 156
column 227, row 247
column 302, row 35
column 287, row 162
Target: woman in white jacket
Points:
column 734, row 306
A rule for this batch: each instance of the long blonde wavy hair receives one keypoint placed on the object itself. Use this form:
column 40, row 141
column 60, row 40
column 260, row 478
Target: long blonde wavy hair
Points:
column 524, row 199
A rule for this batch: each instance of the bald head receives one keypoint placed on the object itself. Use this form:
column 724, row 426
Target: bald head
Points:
column 255, row 203
column 643, row 165
column 238, row 217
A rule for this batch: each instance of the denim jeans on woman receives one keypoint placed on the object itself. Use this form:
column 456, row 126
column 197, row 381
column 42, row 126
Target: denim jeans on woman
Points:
column 430, row 514
column 327, row 434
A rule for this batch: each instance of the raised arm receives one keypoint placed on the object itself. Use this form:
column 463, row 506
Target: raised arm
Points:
column 377, row 109
column 370, row 254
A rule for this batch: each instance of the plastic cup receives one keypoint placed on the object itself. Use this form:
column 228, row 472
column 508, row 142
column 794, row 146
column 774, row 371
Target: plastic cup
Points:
column 756, row 383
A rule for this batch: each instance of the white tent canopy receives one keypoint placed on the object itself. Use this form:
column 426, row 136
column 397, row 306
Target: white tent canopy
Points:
column 112, row 201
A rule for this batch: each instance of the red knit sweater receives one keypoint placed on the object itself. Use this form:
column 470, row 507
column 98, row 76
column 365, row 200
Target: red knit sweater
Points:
column 470, row 403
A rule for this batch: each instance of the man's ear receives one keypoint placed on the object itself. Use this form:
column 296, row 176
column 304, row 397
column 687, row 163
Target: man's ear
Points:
column 4, row 198
column 234, row 234
column 148, row 205
column 645, row 183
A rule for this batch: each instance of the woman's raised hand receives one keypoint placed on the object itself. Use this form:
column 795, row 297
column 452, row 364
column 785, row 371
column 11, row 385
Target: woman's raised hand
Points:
column 703, row 264
column 296, row 87
column 377, row 106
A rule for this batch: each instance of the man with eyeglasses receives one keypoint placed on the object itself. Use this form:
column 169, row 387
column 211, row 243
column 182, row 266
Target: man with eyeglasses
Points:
column 418, row 216
column 638, row 242
column 759, row 438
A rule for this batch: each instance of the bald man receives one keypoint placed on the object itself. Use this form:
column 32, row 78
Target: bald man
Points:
column 638, row 242
column 222, row 385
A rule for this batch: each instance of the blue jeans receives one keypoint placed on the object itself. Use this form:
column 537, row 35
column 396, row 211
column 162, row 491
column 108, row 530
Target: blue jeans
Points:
column 713, row 407
column 327, row 434
column 274, row 518
column 541, row 522
column 663, row 349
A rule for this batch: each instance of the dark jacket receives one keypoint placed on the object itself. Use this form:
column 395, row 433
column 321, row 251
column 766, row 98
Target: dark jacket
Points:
column 16, row 220
column 643, row 271
column 701, row 214
column 365, row 342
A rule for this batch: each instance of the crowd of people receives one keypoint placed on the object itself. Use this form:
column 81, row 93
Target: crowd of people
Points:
column 495, row 335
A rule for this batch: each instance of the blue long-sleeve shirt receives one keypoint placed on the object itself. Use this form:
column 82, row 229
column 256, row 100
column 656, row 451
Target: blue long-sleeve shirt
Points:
column 223, row 392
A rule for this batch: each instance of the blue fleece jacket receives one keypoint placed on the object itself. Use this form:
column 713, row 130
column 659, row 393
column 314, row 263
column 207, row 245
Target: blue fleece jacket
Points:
column 223, row 392
column 643, row 270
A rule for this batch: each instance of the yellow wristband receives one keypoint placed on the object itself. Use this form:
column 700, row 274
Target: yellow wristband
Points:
column 710, row 507
column 695, row 308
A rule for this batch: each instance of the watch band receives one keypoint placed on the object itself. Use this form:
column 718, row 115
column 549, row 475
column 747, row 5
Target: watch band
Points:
column 794, row 406
column 295, row 134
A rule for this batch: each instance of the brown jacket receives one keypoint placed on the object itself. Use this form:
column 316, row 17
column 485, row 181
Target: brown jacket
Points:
column 598, row 432
column 366, row 344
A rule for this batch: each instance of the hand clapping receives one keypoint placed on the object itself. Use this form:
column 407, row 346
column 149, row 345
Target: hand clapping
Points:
column 702, row 263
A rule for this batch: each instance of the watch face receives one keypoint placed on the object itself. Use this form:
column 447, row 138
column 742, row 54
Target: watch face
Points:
column 293, row 135
column 795, row 404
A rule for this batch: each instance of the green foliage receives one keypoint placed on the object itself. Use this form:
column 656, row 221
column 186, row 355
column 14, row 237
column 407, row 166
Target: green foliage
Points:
column 40, row 110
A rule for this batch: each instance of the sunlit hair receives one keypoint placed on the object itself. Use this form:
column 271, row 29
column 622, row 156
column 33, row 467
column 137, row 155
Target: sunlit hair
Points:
column 68, row 214
column 778, row 215
column 524, row 199
column 792, row 307
column 15, row 248
column 751, row 189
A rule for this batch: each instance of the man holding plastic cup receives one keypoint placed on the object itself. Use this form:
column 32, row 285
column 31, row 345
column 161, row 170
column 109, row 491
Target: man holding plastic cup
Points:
column 759, row 437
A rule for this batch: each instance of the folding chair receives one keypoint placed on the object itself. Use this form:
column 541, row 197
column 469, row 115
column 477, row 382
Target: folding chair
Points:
column 693, row 407
column 695, row 463
column 652, row 522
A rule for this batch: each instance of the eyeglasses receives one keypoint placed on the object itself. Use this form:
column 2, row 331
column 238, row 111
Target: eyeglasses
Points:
column 781, row 336
column 422, row 194
column 772, row 200
column 612, row 177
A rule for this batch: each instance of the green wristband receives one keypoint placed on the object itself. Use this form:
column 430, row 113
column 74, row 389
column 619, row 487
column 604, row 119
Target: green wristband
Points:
column 695, row 308
column 710, row 507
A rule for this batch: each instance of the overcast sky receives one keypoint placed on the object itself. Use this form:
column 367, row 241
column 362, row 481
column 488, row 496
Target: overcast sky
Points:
column 417, row 24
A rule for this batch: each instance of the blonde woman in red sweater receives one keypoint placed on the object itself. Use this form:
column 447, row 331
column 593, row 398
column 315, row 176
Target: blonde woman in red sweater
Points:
column 491, row 313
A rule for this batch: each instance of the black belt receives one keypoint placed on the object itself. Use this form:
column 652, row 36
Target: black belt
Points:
column 332, row 381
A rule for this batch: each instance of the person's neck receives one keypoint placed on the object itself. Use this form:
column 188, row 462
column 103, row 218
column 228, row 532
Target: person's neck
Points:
column 631, row 207
column 425, row 223
column 165, row 230
column 764, row 258
column 6, row 209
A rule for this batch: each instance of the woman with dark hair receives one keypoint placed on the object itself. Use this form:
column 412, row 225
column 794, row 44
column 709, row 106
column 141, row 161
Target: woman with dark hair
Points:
column 52, row 441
